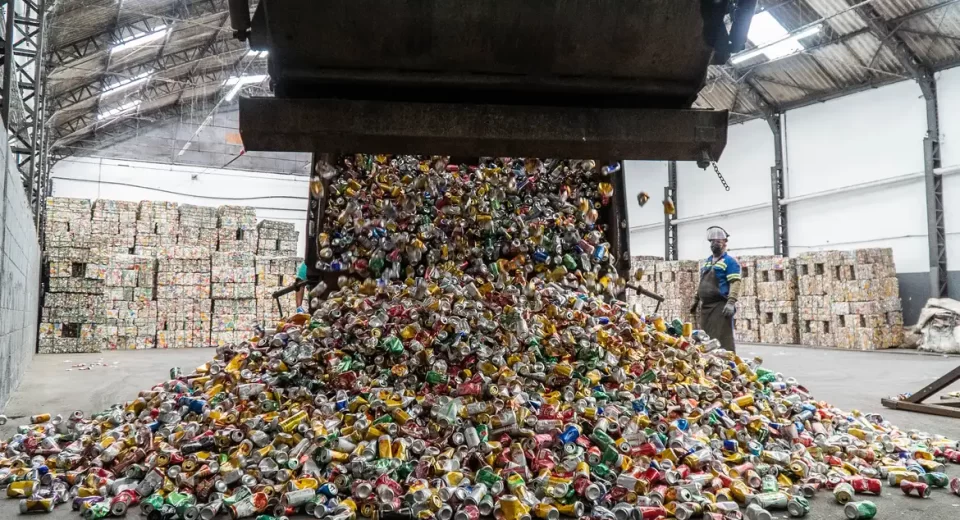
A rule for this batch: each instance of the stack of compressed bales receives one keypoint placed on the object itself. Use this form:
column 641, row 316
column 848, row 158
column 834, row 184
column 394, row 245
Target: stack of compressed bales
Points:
column 237, row 229
column 865, row 297
column 777, row 300
column 275, row 273
column 643, row 273
column 276, row 238
column 198, row 226
column 183, row 297
column 233, row 279
column 129, row 312
column 113, row 226
column 677, row 282
column 747, row 323
column 158, row 224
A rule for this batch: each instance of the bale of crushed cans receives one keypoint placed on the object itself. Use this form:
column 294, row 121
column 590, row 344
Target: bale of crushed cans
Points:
column 481, row 381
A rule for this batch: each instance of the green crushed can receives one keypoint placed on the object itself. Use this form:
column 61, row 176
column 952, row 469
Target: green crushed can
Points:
column 769, row 484
column 436, row 378
column 487, row 476
column 864, row 510
column 151, row 503
column 798, row 507
column 97, row 511
column 647, row 377
column 936, row 479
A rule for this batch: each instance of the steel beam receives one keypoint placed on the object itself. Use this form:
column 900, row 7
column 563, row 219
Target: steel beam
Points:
column 66, row 54
column 619, row 223
column 778, row 187
column 21, row 91
column 274, row 124
column 671, row 244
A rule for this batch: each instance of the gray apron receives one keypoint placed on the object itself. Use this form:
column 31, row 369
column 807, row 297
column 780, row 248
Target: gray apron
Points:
column 712, row 320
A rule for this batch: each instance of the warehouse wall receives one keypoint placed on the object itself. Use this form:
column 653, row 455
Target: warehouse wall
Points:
column 744, row 211
column 19, row 279
column 948, row 93
column 646, row 223
column 854, row 180
column 276, row 197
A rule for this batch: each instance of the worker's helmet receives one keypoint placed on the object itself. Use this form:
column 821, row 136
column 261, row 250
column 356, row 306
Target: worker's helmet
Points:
column 716, row 233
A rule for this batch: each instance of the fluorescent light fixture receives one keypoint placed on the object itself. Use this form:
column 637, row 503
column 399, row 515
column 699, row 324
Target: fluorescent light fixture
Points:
column 136, row 41
column 119, row 110
column 259, row 54
column 238, row 83
column 772, row 39
column 127, row 83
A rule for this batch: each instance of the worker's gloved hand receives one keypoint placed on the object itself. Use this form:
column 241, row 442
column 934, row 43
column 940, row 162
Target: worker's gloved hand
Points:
column 300, row 310
column 729, row 309
column 693, row 310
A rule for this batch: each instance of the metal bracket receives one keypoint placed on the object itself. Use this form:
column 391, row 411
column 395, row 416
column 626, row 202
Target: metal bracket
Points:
column 914, row 403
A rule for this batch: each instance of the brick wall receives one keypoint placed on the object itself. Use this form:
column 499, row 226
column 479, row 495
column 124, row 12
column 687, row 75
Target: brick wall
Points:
column 19, row 280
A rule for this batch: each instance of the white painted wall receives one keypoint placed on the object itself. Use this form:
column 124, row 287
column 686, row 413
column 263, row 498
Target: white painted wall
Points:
column 872, row 135
column 646, row 223
column 276, row 197
column 745, row 165
column 948, row 97
column 751, row 233
column 850, row 141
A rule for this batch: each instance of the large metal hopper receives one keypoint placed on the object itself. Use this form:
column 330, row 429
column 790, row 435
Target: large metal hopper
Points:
column 599, row 78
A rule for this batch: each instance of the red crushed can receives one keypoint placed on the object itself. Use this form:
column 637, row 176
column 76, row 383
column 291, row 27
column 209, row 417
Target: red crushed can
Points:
column 652, row 513
column 952, row 455
column 122, row 502
column 865, row 485
column 919, row 489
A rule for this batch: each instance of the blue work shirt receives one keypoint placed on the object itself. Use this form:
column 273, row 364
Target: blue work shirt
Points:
column 302, row 271
column 727, row 269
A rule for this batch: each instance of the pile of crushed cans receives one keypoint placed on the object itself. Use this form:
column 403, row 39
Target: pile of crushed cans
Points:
column 391, row 218
column 480, row 384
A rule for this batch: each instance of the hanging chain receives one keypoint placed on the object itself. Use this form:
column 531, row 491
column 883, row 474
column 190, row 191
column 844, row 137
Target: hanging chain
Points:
column 720, row 176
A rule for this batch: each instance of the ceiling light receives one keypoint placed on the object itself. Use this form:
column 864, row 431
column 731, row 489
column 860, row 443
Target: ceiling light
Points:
column 259, row 54
column 136, row 41
column 127, row 83
column 772, row 39
column 119, row 110
column 238, row 83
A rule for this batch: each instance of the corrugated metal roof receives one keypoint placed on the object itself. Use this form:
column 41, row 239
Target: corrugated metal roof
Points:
column 838, row 15
column 199, row 53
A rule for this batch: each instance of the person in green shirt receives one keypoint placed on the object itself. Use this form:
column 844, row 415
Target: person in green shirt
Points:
column 301, row 276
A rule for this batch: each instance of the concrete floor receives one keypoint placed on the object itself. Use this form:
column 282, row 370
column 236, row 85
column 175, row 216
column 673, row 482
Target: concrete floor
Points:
column 850, row 380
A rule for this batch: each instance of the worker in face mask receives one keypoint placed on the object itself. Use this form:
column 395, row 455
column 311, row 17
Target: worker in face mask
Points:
column 718, row 291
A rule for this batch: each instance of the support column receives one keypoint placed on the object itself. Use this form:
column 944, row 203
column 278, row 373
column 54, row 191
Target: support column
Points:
column 923, row 73
column 619, row 223
column 21, row 91
column 778, row 187
column 669, row 226
column 936, row 233
column 316, row 208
